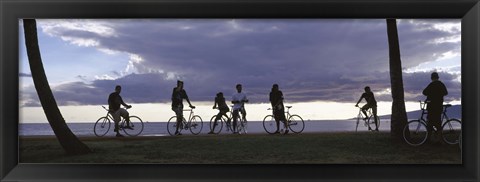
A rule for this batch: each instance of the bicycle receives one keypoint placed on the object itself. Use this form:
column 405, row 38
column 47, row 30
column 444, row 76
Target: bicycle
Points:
column 241, row 126
column 194, row 123
column 415, row 133
column 294, row 122
column 369, row 121
column 102, row 126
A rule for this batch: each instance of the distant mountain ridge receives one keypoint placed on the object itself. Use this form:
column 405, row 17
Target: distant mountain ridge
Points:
column 452, row 112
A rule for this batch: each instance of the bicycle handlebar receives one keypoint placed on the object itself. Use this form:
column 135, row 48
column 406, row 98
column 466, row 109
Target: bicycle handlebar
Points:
column 109, row 109
column 288, row 107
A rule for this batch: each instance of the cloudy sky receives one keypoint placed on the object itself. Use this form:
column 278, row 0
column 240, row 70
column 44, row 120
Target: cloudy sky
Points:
column 316, row 61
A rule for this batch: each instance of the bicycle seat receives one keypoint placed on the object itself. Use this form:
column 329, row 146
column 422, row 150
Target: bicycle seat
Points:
column 288, row 107
column 447, row 105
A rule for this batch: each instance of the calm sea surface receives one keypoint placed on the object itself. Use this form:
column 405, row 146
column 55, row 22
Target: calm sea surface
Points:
column 160, row 128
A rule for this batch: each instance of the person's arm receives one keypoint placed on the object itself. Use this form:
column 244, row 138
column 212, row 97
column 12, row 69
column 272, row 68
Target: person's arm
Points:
column 123, row 103
column 215, row 104
column 271, row 100
column 445, row 92
column 361, row 97
column 186, row 98
column 426, row 91
column 244, row 98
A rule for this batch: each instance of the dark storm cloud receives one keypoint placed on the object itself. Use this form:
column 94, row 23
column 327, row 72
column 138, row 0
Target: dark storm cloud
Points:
column 329, row 60
column 24, row 75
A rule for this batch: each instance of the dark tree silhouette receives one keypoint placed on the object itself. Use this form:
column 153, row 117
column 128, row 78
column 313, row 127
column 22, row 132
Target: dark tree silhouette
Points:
column 70, row 143
column 399, row 115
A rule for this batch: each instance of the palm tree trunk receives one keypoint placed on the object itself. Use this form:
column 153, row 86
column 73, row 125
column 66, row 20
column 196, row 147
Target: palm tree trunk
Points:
column 70, row 143
column 399, row 115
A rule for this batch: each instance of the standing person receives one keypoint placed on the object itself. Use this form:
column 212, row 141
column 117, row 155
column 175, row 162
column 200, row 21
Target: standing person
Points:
column 371, row 103
column 223, row 109
column 276, row 100
column 178, row 94
column 238, row 99
column 114, row 101
column 434, row 92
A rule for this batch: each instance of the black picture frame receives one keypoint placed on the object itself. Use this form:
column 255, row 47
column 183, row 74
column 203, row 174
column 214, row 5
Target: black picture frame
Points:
column 13, row 10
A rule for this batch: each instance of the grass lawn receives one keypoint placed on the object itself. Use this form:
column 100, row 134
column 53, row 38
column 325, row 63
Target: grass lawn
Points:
column 310, row 148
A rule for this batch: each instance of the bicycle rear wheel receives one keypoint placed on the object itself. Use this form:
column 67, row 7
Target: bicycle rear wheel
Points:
column 172, row 126
column 451, row 131
column 415, row 133
column 196, row 125
column 296, row 124
column 101, row 127
column 219, row 125
column 269, row 124
column 136, row 124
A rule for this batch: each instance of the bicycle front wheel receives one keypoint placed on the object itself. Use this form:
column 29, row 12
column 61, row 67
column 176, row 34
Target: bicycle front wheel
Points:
column 216, row 127
column 415, row 133
column 136, row 125
column 101, row 127
column 296, row 124
column 451, row 131
column 269, row 124
column 358, row 120
column 242, row 126
column 196, row 125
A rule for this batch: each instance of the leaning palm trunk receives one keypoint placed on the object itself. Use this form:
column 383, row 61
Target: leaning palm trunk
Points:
column 70, row 143
column 399, row 115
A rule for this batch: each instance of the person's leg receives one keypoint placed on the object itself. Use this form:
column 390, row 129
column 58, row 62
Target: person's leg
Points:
column 364, row 110
column 437, row 120
column 284, row 119
column 374, row 111
column 219, row 117
column 235, row 118
column 179, row 113
column 277, row 121
column 429, row 123
column 124, row 113
column 244, row 113
column 116, row 120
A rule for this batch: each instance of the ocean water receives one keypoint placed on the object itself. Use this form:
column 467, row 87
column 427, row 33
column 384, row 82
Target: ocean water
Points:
column 160, row 128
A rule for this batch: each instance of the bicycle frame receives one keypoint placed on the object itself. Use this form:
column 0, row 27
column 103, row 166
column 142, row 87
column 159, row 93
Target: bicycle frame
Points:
column 423, row 106
column 286, row 117
column 110, row 117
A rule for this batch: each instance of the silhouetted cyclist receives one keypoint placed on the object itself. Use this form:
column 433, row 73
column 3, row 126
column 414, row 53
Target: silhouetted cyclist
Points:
column 434, row 92
column 178, row 94
column 114, row 101
column 371, row 103
column 276, row 100
column 223, row 109
column 238, row 99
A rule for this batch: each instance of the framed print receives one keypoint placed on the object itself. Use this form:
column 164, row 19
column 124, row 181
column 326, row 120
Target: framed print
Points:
column 309, row 90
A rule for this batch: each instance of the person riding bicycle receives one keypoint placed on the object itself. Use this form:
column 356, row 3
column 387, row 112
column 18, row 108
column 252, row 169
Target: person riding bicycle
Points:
column 114, row 101
column 238, row 100
column 371, row 103
column 222, row 107
column 178, row 94
column 276, row 100
column 435, row 91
